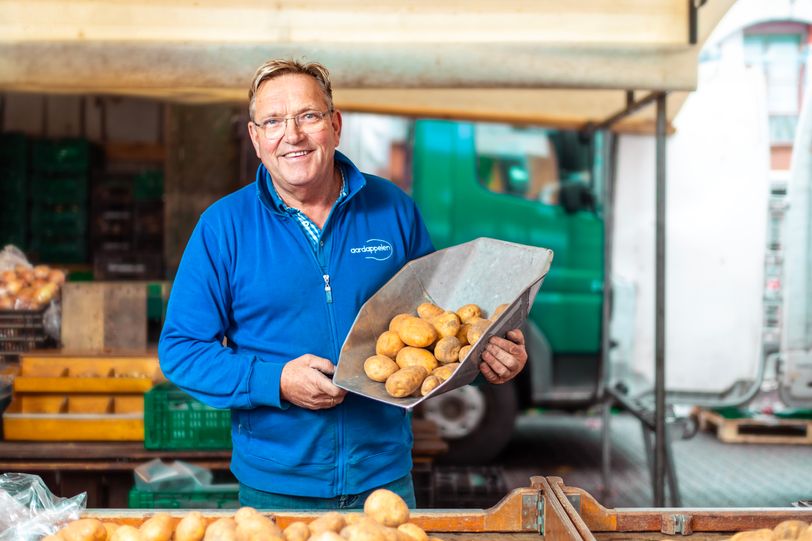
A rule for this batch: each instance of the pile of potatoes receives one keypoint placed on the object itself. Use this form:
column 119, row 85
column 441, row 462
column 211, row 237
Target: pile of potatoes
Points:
column 385, row 518
column 26, row 288
column 789, row 530
column 420, row 352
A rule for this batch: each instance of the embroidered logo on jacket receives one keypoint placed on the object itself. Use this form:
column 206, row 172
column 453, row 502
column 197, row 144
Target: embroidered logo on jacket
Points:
column 377, row 249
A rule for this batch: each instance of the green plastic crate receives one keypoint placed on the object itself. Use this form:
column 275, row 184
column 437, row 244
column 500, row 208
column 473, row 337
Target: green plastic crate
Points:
column 58, row 220
column 60, row 156
column 214, row 497
column 45, row 250
column 148, row 186
column 63, row 189
column 175, row 420
column 13, row 148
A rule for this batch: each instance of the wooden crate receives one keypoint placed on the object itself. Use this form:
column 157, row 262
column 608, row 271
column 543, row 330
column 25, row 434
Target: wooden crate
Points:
column 75, row 417
column 104, row 317
column 758, row 429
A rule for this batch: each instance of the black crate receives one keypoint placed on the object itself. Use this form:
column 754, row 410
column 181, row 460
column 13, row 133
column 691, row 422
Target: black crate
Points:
column 128, row 266
column 23, row 330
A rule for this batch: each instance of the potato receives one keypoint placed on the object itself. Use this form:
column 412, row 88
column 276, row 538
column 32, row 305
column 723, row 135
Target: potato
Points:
column 297, row 531
column 405, row 381
column 111, row 527
column 429, row 384
column 388, row 344
column 478, row 328
column 446, row 324
column 157, row 528
column 763, row 534
column 789, row 529
column 363, row 532
column 469, row 312
column 464, row 351
column 447, row 349
column 410, row 356
column 244, row 513
column 352, row 518
column 387, row 508
column 86, row 529
column 258, row 527
column 192, row 527
column 395, row 323
column 393, row 534
column 415, row 532
column 416, row 332
column 462, row 334
column 127, row 533
column 429, row 311
column 331, row 521
column 223, row 529
column 379, row 367
column 327, row 535
column 498, row 311
column 444, row 372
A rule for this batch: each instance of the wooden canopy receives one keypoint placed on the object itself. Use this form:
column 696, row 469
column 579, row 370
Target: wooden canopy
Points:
column 554, row 62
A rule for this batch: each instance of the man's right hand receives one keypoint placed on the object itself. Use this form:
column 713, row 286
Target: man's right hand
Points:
column 306, row 383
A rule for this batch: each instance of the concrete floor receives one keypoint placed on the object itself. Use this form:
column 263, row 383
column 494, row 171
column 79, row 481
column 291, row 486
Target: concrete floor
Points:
column 710, row 473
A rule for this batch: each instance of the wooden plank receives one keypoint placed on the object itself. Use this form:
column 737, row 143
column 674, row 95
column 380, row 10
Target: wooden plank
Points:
column 104, row 317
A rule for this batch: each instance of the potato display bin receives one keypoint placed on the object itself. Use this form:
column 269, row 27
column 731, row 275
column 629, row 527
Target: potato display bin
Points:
column 547, row 510
column 485, row 272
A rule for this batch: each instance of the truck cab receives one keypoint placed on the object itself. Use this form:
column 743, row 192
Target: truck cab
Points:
column 533, row 186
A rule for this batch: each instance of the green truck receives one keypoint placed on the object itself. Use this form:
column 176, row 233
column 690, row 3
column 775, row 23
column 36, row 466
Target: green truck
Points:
column 532, row 186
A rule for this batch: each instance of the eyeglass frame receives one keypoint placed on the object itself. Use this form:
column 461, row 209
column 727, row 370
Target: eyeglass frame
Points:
column 295, row 121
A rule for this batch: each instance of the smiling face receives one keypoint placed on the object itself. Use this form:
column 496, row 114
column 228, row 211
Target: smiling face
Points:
column 298, row 162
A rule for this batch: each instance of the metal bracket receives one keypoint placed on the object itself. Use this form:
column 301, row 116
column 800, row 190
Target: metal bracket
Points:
column 533, row 512
column 673, row 524
column 575, row 500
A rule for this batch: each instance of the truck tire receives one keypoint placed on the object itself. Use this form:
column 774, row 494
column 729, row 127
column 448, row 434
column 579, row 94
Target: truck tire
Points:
column 476, row 421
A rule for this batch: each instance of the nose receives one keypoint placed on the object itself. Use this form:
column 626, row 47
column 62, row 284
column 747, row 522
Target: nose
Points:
column 292, row 130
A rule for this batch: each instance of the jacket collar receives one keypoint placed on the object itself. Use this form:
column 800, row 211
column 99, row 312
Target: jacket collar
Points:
column 270, row 199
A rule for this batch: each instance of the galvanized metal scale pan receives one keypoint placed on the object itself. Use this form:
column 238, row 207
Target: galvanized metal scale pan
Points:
column 486, row 272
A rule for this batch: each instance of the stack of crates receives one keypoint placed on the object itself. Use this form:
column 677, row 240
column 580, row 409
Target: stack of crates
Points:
column 173, row 420
column 59, row 194
column 13, row 190
column 128, row 227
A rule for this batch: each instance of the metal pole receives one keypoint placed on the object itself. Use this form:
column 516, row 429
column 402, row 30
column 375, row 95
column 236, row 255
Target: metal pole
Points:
column 659, row 310
column 609, row 157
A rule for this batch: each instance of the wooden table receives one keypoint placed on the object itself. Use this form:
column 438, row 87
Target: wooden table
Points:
column 105, row 469
column 102, row 469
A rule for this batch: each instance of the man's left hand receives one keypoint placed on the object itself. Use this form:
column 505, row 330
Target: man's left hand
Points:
column 503, row 358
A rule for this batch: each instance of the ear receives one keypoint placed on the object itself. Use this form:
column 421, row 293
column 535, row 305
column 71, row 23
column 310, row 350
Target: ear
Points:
column 253, row 132
column 335, row 121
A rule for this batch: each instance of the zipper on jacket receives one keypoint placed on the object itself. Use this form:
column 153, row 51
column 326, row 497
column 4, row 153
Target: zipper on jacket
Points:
column 328, row 291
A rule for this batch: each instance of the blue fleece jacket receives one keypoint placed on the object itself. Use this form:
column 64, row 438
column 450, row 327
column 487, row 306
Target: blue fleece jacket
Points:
column 250, row 274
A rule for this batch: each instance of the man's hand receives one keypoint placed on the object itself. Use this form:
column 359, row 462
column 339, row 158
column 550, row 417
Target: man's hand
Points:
column 305, row 382
column 503, row 358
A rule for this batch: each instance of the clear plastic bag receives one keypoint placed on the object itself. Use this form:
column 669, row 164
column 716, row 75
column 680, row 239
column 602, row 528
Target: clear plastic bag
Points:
column 29, row 511
column 12, row 257
column 179, row 476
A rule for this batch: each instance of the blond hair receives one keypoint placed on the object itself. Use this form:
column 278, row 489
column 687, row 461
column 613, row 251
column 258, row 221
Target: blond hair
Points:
column 275, row 68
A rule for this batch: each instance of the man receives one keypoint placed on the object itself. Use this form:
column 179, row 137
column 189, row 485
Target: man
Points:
column 272, row 268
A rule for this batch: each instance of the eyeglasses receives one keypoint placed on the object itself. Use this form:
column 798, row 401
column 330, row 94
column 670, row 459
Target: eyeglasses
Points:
column 309, row 122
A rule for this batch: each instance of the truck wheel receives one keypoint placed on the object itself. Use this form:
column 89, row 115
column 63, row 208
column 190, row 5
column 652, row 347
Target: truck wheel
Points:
column 476, row 421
